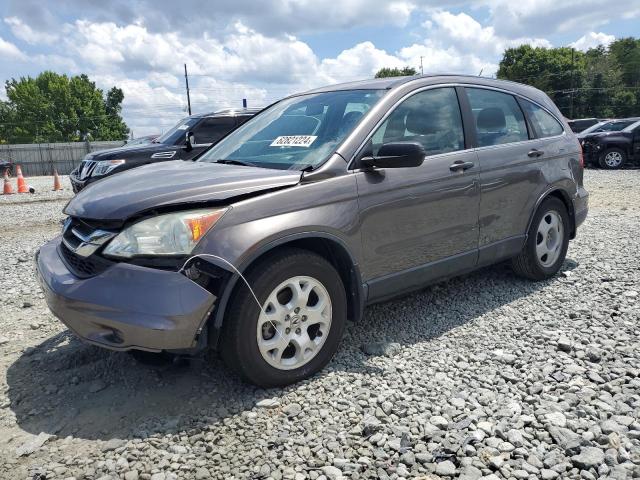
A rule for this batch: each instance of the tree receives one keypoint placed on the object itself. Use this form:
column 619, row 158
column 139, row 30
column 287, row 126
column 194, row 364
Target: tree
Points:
column 57, row 108
column 395, row 72
column 602, row 82
column 626, row 52
column 556, row 71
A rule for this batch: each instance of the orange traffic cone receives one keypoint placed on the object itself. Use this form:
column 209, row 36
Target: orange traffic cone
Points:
column 22, row 185
column 8, row 189
column 56, row 181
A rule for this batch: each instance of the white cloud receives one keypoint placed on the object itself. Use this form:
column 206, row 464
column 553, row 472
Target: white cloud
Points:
column 239, row 50
column 592, row 40
column 361, row 61
column 467, row 35
column 552, row 16
column 457, row 43
column 24, row 32
column 9, row 51
column 191, row 17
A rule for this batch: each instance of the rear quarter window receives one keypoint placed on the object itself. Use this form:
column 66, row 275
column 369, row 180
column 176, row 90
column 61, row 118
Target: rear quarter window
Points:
column 543, row 122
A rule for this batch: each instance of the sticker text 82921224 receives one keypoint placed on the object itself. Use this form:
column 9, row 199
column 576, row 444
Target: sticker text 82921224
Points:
column 293, row 141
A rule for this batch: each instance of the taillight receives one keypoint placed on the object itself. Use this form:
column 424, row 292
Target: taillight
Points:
column 581, row 156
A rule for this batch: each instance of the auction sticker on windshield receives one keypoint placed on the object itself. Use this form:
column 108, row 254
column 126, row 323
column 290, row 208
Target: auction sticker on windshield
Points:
column 293, row 141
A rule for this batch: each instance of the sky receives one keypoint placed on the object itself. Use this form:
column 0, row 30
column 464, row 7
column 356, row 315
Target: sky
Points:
column 264, row 50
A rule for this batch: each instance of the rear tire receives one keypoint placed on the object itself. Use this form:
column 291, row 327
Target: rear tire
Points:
column 547, row 242
column 304, row 315
column 613, row 158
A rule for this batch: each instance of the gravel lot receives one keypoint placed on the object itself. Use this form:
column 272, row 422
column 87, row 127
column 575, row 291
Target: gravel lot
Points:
column 485, row 376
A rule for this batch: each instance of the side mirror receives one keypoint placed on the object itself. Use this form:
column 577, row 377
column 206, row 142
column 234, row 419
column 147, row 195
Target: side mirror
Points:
column 190, row 140
column 396, row 155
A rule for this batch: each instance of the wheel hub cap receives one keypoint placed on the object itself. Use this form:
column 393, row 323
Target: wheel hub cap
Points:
column 549, row 238
column 294, row 322
column 613, row 159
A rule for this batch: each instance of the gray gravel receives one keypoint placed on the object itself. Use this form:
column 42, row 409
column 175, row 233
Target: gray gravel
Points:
column 485, row 376
column 43, row 187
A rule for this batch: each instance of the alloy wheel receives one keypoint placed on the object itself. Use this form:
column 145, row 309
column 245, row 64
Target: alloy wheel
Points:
column 613, row 159
column 294, row 322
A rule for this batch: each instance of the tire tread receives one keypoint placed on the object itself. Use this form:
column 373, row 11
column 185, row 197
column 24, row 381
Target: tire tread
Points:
column 231, row 336
column 525, row 264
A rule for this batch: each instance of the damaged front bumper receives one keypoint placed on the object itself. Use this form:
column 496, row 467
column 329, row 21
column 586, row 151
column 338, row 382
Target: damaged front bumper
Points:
column 126, row 306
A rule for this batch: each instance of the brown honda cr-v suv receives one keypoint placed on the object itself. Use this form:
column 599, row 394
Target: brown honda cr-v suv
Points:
column 321, row 204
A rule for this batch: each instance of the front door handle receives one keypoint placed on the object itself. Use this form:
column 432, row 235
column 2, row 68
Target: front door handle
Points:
column 535, row 153
column 460, row 166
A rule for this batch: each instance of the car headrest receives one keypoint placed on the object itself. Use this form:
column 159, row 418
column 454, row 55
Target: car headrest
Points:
column 491, row 118
column 419, row 122
column 349, row 120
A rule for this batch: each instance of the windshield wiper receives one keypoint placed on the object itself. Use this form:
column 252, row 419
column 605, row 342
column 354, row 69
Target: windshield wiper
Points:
column 235, row 162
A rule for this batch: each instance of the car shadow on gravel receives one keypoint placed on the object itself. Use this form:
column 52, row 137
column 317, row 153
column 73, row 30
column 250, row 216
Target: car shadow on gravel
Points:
column 65, row 387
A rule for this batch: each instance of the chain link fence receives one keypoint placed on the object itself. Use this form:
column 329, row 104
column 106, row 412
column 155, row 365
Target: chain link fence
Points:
column 41, row 158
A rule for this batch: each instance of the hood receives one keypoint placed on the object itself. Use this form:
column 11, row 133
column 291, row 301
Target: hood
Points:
column 120, row 196
column 596, row 134
column 127, row 151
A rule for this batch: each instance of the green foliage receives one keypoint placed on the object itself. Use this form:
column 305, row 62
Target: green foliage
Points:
column 57, row 108
column 602, row 82
column 395, row 72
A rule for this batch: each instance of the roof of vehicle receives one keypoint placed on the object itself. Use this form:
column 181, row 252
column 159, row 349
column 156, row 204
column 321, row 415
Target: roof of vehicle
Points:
column 390, row 82
column 228, row 112
column 434, row 79
column 632, row 119
column 590, row 119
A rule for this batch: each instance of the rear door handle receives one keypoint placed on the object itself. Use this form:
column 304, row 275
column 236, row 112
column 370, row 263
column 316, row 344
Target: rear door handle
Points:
column 535, row 153
column 460, row 166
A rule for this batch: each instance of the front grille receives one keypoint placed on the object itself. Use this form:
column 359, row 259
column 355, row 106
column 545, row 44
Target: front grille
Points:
column 83, row 267
column 79, row 246
column 86, row 169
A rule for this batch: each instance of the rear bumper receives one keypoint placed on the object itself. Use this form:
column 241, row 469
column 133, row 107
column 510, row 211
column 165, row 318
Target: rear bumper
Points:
column 126, row 306
column 581, row 206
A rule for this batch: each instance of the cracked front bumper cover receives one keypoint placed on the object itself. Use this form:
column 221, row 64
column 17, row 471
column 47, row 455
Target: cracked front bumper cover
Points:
column 126, row 306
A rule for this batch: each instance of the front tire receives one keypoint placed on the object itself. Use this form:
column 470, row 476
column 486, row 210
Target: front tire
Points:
column 298, row 330
column 547, row 242
column 613, row 158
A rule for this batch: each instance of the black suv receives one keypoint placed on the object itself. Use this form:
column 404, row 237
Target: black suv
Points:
column 185, row 141
column 614, row 144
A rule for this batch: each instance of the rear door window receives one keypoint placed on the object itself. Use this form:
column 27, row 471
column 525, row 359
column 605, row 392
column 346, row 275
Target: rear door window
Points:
column 431, row 118
column 210, row 130
column 543, row 122
column 498, row 117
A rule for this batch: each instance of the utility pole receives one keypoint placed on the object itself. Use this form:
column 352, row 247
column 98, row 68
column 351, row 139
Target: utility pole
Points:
column 572, row 70
column 186, row 80
column 421, row 67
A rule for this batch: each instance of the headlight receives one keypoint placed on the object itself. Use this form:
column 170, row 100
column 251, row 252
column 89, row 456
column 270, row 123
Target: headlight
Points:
column 169, row 234
column 105, row 166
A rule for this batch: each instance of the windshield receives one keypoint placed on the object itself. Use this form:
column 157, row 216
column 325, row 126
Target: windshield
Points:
column 296, row 133
column 177, row 132
column 140, row 141
column 632, row 127
column 613, row 126
column 593, row 128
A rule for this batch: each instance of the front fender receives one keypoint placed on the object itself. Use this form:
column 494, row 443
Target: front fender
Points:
column 234, row 277
column 326, row 210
